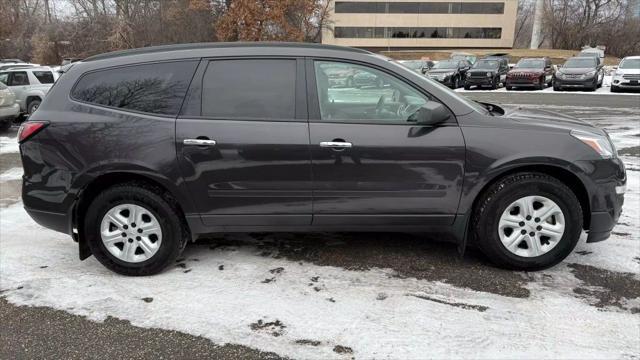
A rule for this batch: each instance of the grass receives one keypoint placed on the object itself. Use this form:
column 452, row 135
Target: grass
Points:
column 558, row 56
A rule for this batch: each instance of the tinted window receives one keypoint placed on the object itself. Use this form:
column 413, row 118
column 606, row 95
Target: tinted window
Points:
column 45, row 77
column 152, row 88
column 252, row 88
column 355, row 93
column 530, row 64
column 18, row 78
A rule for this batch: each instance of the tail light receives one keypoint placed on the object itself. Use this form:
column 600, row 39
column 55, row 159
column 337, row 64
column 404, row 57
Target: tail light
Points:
column 29, row 129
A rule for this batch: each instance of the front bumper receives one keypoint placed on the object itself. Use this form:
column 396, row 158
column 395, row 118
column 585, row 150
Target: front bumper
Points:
column 479, row 81
column 623, row 83
column 523, row 82
column 606, row 195
column 9, row 112
column 574, row 83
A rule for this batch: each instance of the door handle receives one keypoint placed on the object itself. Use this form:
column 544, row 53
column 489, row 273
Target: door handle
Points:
column 336, row 144
column 199, row 142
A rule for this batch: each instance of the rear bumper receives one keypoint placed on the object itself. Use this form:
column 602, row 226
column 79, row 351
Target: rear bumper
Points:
column 55, row 221
column 9, row 112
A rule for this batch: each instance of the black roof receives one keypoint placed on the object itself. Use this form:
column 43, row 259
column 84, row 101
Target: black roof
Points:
column 214, row 45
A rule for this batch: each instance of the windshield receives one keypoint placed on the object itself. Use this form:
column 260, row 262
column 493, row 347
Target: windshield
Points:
column 580, row 63
column 446, row 64
column 486, row 64
column 530, row 64
column 630, row 64
column 416, row 65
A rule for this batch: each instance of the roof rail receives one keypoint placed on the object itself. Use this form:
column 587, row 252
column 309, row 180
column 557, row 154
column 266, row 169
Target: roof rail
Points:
column 216, row 45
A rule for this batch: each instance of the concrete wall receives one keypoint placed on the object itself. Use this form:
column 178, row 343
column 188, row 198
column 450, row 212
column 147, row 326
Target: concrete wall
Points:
column 505, row 21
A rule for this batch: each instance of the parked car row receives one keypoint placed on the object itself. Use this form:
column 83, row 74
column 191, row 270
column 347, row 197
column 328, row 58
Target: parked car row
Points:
column 23, row 86
column 585, row 71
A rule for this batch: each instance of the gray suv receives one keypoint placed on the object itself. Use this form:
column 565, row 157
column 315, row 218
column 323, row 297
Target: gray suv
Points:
column 134, row 154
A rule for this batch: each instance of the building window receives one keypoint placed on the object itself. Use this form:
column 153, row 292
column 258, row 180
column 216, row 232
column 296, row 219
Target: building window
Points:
column 346, row 32
column 414, row 7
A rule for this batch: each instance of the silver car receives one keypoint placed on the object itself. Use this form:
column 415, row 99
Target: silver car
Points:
column 627, row 76
column 30, row 85
column 9, row 109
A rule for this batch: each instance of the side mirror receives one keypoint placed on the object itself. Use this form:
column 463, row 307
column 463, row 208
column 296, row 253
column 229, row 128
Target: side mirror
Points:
column 431, row 113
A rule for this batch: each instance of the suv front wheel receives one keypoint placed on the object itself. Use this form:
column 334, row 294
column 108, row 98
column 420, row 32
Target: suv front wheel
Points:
column 134, row 230
column 527, row 221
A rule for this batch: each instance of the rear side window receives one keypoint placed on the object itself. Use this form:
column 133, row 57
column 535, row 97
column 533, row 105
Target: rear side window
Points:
column 45, row 77
column 152, row 88
column 18, row 78
column 251, row 88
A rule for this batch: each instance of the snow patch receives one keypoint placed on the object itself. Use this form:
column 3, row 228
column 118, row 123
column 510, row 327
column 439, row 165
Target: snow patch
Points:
column 8, row 145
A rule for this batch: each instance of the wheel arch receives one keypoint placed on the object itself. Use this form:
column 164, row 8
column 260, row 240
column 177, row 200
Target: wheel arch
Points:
column 110, row 179
column 563, row 175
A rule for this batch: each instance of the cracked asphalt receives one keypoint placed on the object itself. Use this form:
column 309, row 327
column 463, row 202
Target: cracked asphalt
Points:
column 40, row 332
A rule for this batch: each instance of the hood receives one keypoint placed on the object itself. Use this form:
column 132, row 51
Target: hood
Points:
column 576, row 71
column 546, row 119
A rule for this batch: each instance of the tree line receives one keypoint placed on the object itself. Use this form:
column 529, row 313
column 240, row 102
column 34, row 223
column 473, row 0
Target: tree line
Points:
column 571, row 24
column 46, row 31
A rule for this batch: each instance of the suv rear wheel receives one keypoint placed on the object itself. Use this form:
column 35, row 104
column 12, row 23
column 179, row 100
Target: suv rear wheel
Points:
column 133, row 230
column 527, row 221
column 33, row 106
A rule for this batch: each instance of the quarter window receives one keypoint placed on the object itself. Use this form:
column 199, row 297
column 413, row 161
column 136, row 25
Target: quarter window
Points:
column 152, row 88
column 250, row 88
column 44, row 77
column 354, row 93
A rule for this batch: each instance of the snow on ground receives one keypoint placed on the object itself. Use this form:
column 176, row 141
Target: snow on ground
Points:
column 604, row 90
column 8, row 145
column 11, row 174
column 236, row 294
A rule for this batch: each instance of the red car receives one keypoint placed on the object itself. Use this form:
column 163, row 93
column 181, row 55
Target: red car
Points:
column 531, row 72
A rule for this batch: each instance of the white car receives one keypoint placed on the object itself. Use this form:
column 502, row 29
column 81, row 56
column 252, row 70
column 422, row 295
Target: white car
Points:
column 627, row 76
column 30, row 85
column 9, row 109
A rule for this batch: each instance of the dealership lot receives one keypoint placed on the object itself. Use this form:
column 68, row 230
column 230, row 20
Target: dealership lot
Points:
column 361, row 295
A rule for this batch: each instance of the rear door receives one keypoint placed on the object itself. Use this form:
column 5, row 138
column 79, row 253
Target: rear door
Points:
column 243, row 142
column 19, row 84
column 371, row 165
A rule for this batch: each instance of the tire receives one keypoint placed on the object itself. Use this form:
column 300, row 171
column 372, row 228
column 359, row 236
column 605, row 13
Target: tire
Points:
column 493, row 204
column 542, row 84
column 509, row 88
column 494, row 84
column 33, row 106
column 172, row 236
column 556, row 87
column 614, row 89
column 467, row 87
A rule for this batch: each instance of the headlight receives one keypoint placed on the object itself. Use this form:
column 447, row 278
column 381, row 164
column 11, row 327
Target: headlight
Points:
column 468, row 75
column 489, row 74
column 590, row 73
column 600, row 144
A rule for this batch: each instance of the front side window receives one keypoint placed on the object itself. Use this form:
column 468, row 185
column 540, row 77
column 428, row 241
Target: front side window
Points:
column 355, row 93
column 250, row 88
column 45, row 77
column 157, row 88
column 19, row 78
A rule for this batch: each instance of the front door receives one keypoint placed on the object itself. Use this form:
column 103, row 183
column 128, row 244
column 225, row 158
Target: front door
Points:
column 371, row 166
column 244, row 147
